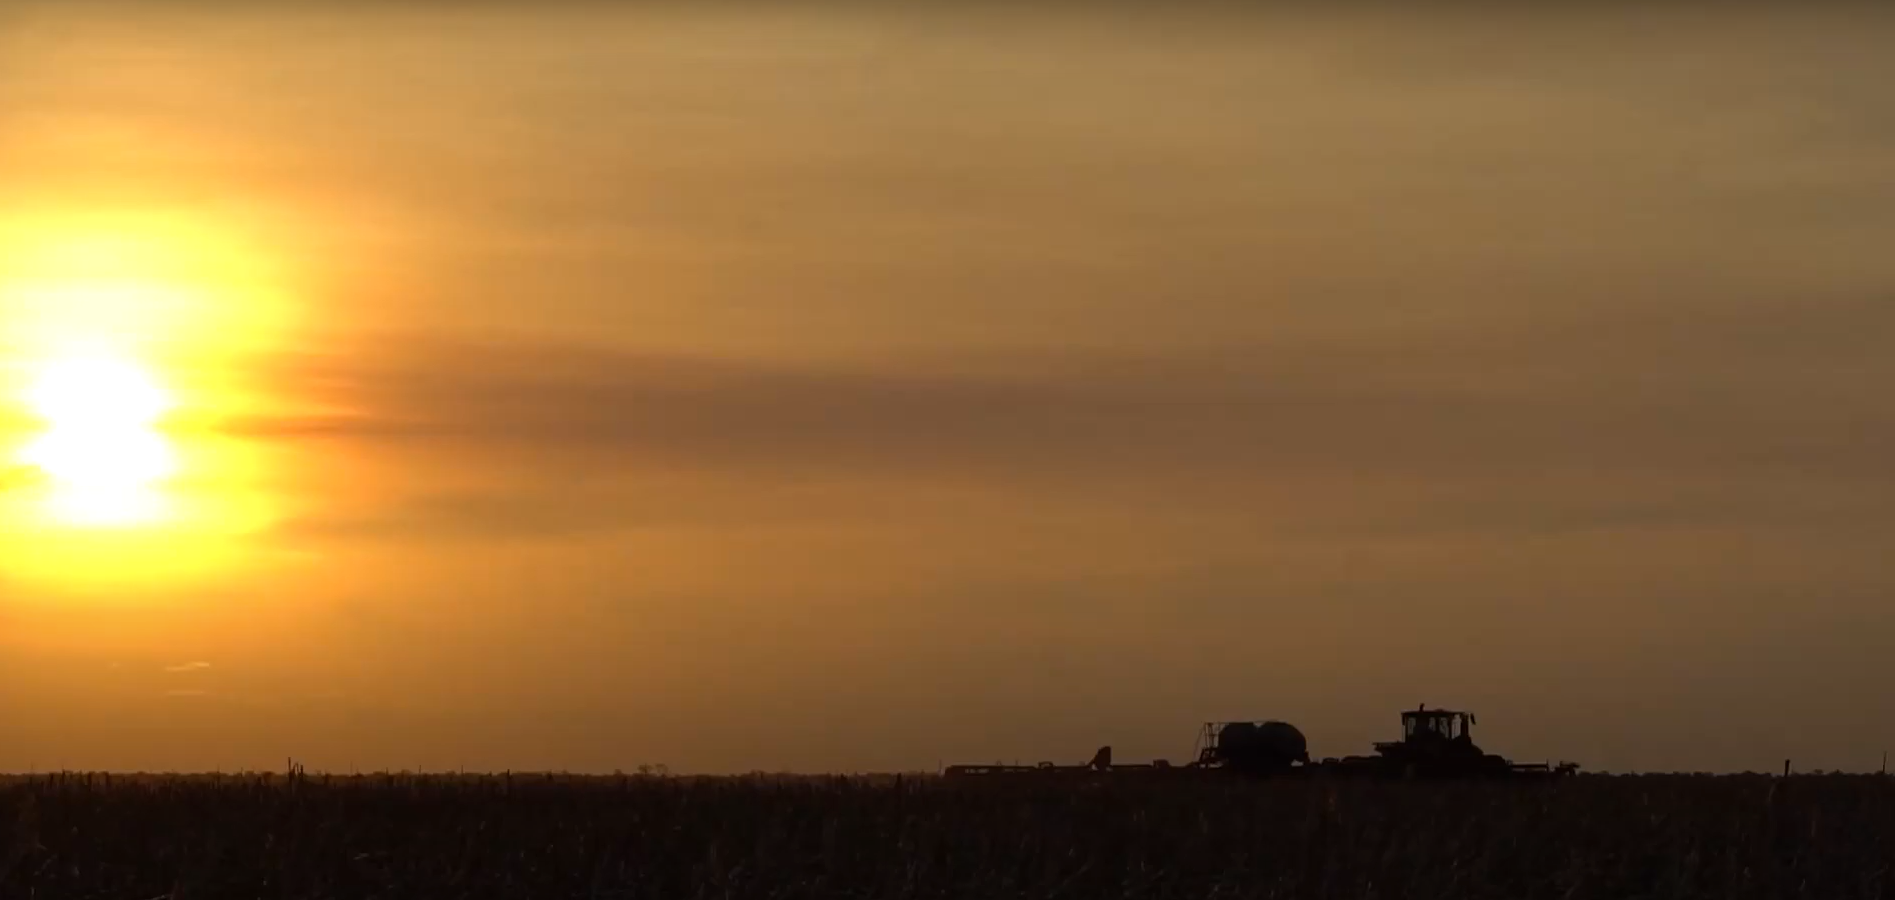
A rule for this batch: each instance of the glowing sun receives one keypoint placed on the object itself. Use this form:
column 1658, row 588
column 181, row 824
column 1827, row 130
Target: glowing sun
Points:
column 126, row 343
column 99, row 447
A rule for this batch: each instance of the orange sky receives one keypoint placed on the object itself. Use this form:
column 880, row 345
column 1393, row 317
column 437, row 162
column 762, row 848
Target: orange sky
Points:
column 845, row 389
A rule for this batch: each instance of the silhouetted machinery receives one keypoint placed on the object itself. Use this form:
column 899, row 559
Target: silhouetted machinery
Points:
column 1435, row 743
column 1439, row 743
column 1257, row 748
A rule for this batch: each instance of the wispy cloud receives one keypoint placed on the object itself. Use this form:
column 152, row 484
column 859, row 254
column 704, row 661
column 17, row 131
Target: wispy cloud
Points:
column 194, row 666
column 1693, row 411
column 1654, row 391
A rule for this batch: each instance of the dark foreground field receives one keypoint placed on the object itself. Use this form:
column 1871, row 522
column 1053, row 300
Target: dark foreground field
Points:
column 1648, row 837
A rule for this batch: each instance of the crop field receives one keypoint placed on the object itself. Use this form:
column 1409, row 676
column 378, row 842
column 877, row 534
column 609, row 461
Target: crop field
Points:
column 1828, row 837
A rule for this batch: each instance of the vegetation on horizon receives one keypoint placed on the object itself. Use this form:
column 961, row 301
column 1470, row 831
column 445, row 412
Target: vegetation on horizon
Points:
column 548, row 836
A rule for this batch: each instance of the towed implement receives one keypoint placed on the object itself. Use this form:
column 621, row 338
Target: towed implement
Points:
column 1435, row 744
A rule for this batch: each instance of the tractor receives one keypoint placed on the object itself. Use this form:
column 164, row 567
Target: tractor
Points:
column 1439, row 743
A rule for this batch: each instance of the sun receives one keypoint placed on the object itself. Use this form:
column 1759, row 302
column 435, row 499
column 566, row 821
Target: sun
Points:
column 99, row 447
column 130, row 342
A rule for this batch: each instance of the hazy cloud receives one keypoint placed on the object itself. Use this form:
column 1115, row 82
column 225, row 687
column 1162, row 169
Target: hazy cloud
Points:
column 1742, row 387
column 1679, row 415
column 196, row 666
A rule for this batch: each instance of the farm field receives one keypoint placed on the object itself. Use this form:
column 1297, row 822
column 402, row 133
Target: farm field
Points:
column 399, row 836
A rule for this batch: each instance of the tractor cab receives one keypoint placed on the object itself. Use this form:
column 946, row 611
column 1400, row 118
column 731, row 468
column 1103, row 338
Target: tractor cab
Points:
column 1426, row 725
